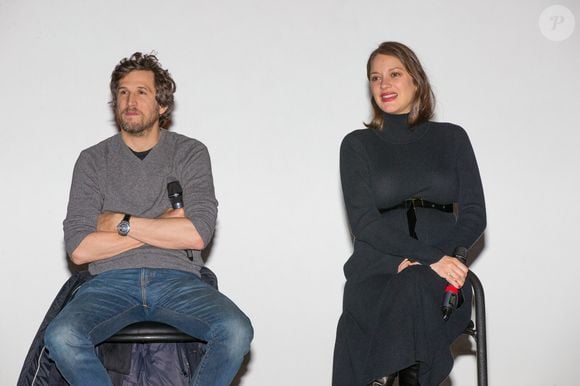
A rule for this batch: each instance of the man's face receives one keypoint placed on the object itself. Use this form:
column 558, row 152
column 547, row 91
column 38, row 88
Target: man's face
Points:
column 137, row 109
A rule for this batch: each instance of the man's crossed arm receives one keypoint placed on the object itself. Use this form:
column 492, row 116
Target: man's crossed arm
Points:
column 172, row 230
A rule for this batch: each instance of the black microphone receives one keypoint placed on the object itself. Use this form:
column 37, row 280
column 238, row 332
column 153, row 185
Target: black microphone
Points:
column 175, row 192
column 453, row 296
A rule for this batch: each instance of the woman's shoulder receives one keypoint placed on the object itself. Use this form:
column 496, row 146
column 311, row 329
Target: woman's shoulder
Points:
column 449, row 129
column 359, row 135
column 447, row 126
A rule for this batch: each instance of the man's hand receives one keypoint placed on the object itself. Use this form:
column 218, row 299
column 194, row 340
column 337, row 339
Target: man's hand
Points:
column 173, row 213
column 108, row 221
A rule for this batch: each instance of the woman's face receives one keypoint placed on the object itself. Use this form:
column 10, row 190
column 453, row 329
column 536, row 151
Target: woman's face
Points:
column 392, row 87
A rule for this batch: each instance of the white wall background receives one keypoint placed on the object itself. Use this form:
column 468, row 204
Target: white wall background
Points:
column 271, row 87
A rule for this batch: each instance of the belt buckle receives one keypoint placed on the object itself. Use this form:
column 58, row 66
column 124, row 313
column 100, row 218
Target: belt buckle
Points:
column 415, row 200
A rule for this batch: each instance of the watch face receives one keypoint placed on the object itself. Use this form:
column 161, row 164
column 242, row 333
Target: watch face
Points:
column 123, row 228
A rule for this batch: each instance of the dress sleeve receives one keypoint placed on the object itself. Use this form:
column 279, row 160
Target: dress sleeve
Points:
column 471, row 220
column 366, row 222
column 84, row 205
column 198, row 192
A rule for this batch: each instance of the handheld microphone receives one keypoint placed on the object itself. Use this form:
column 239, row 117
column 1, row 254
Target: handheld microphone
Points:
column 175, row 193
column 453, row 297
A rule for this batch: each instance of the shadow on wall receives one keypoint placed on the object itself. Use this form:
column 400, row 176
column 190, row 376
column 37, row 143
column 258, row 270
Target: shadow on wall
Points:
column 476, row 250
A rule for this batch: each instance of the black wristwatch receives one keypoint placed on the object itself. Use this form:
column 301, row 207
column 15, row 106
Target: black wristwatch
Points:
column 124, row 226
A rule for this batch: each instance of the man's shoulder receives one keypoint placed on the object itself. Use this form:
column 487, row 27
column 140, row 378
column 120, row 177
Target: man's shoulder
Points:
column 100, row 149
column 182, row 139
column 183, row 143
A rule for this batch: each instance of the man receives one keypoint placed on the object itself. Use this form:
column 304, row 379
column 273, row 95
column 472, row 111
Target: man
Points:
column 145, row 254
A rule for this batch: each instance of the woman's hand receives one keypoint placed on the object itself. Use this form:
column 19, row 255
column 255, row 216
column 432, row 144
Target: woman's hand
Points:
column 452, row 270
column 406, row 263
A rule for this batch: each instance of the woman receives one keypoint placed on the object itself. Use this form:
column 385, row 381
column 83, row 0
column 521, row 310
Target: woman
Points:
column 401, row 178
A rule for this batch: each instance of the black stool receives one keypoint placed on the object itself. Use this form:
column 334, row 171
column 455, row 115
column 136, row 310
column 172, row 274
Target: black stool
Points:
column 151, row 332
column 477, row 329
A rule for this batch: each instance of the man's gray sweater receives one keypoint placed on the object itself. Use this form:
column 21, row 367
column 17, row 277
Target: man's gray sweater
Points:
column 110, row 177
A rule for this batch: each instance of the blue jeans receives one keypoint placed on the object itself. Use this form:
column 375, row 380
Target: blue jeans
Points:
column 115, row 299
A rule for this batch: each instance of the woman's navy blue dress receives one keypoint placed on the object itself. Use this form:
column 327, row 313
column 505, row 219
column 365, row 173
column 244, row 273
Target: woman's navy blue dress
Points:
column 391, row 321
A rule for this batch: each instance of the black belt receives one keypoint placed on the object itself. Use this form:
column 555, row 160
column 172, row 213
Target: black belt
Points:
column 413, row 203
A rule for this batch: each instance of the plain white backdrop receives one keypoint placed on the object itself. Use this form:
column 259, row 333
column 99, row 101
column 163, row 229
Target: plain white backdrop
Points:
column 271, row 87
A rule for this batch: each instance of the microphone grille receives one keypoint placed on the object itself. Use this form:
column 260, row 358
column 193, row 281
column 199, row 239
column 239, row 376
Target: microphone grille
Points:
column 174, row 188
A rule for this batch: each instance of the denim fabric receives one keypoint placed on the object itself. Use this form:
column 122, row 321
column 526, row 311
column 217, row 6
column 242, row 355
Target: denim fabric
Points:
column 115, row 299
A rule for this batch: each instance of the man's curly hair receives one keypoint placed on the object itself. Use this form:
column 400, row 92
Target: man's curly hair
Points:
column 164, row 85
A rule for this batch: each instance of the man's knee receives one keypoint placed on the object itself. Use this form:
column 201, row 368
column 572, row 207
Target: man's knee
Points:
column 62, row 338
column 236, row 332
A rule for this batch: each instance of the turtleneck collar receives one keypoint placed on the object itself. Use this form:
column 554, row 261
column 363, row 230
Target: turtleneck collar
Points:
column 396, row 129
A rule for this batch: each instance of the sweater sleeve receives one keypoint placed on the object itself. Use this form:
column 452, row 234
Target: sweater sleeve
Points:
column 366, row 222
column 198, row 191
column 471, row 220
column 84, row 205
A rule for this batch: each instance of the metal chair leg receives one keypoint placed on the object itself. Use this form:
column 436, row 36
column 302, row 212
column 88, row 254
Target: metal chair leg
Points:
column 479, row 332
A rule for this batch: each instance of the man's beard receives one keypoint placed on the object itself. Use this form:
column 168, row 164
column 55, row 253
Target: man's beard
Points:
column 137, row 128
